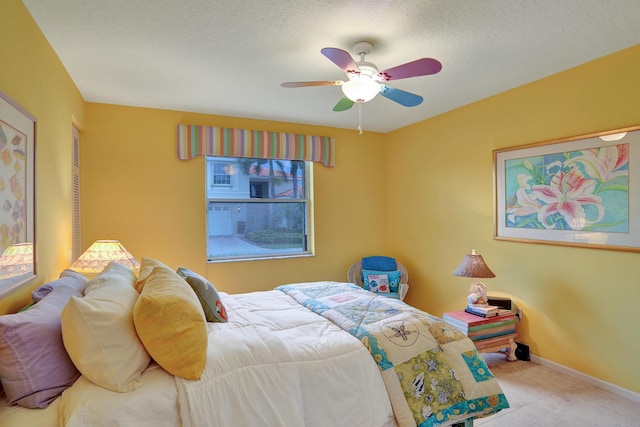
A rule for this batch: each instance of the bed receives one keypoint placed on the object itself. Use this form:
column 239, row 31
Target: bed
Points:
column 312, row 354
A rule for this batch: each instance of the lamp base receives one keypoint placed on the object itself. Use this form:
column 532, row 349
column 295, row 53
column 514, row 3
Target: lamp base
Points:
column 477, row 293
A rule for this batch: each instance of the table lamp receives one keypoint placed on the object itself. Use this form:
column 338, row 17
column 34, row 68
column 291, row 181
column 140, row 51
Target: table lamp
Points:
column 16, row 260
column 100, row 254
column 473, row 266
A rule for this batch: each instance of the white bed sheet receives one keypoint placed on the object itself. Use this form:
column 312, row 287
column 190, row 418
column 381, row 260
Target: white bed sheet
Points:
column 154, row 404
column 17, row 416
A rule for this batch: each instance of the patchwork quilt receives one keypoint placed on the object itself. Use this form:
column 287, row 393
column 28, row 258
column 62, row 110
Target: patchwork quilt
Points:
column 433, row 373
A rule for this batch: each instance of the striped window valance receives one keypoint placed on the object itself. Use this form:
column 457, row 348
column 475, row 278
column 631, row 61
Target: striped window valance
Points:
column 194, row 140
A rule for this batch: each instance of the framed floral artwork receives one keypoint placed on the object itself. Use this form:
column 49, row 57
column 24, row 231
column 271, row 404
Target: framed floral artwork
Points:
column 574, row 191
column 17, row 188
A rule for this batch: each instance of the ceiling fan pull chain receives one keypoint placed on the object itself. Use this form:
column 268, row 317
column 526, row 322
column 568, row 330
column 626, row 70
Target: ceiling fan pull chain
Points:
column 359, row 118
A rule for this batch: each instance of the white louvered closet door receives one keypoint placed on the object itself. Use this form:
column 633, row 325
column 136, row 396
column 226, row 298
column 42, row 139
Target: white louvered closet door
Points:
column 76, row 238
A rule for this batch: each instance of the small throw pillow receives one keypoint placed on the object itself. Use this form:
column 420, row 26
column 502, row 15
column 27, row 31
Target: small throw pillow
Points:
column 99, row 334
column 380, row 263
column 378, row 283
column 35, row 366
column 209, row 299
column 171, row 324
column 394, row 278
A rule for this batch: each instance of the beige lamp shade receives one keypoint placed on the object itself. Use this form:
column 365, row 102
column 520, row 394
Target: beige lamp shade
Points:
column 473, row 265
column 16, row 260
column 100, row 254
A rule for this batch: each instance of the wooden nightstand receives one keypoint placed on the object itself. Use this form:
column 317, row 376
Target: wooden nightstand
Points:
column 491, row 334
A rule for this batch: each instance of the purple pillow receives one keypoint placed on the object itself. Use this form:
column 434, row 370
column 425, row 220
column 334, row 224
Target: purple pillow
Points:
column 67, row 277
column 35, row 367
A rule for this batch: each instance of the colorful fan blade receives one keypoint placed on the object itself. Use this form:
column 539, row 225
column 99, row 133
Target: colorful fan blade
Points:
column 420, row 67
column 344, row 104
column 305, row 84
column 341, row 58
column 400, row 96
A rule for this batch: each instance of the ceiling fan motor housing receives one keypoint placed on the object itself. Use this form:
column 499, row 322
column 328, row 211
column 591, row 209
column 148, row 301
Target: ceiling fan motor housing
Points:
column 368, row 69
column 362, row 48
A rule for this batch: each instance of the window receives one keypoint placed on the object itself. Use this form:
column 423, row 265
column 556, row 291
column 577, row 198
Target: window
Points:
column 257, row 208
column 221, row 174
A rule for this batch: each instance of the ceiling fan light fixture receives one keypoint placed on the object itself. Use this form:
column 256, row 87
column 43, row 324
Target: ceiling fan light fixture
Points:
column 361, row 89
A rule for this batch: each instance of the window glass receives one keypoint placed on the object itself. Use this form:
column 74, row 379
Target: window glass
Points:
column 257, row 208
column 221, row 175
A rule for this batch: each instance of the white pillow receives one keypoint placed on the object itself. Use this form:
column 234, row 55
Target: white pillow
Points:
column 98, row 331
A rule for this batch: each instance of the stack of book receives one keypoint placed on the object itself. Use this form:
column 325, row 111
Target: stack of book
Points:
column 483, row 310
column 481, row 328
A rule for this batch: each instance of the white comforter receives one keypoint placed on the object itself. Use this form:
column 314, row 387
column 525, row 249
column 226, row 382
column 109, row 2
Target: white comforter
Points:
column 275, row 363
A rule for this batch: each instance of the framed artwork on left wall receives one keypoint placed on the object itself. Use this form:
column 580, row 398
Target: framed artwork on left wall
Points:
column 17, row 195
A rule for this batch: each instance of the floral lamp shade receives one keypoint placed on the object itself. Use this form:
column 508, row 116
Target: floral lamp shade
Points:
column 100, row 254
column 16, row 260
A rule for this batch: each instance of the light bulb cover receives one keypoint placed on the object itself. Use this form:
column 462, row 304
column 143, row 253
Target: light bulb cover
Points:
column 361, row 89
column 613, row 136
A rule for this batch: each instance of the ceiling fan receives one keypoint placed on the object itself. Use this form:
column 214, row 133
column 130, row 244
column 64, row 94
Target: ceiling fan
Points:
column 365, row 81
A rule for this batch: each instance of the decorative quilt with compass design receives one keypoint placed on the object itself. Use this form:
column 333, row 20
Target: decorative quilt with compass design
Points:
column 432, row 372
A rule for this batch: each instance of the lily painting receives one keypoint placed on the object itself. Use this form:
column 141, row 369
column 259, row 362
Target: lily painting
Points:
column 577, row 191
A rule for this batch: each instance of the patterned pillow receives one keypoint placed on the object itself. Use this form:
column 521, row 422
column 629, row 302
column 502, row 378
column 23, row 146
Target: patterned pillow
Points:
column 394, row 278
column 209, row 299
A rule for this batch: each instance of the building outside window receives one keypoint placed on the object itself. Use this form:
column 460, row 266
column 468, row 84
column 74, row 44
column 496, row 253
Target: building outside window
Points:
column 257, row 208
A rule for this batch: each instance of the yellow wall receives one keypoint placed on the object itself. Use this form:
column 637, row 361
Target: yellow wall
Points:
column 134, row 189
column 32, row 76
column 580, row 305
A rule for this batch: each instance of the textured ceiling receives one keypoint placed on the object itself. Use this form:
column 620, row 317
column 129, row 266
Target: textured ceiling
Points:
column 228, row 57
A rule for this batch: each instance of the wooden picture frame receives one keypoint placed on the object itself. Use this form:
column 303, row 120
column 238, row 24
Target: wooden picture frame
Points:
column 573, row 191
column 17, row 195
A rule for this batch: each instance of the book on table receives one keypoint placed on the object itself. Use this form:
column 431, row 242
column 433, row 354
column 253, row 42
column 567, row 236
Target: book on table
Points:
column 483, row 310
column 492, row 332
column 471, row 324
column 477, row 313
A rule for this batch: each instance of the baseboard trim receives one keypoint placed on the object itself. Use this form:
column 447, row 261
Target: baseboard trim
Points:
column 628, row 394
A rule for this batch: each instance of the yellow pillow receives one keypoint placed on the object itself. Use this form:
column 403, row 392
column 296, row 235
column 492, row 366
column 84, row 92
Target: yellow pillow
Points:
column 171, row 324
column 146, row 266
column 98, row 331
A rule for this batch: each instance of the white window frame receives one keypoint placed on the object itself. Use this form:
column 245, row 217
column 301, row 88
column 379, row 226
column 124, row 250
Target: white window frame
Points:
column 308, row 245
column 226, row 175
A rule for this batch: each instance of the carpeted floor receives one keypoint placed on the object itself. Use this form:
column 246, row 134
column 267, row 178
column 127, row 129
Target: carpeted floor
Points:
column 540, row 396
